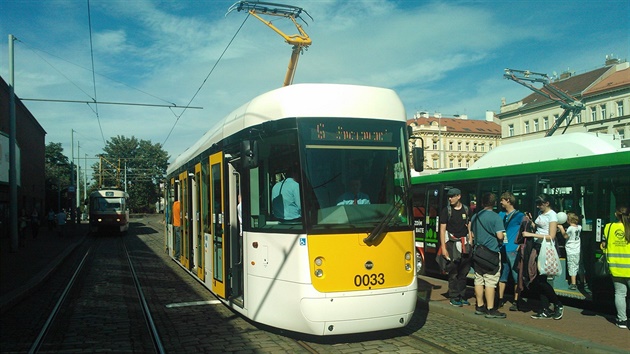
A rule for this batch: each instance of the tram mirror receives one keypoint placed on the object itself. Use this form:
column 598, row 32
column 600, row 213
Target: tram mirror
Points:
column 249, row 154
column 418, row 158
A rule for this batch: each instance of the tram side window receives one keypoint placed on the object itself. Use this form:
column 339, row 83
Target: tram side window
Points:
column 278, row 161
column 574, row 194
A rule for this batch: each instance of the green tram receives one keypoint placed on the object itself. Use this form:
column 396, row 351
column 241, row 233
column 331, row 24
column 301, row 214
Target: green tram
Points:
column 585, row 173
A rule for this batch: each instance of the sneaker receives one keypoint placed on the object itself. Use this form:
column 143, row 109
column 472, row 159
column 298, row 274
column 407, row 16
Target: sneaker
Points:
column 502, row 302
column 559, row 310
column 456, row 302
column 464, row 302
column 514, row 307
column 481, row 310
column 622, row 324
column 494, row 313
column 544, row 315
column 572, row 287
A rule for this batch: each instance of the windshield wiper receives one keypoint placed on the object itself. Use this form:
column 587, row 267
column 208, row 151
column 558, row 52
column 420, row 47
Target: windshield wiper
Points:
column 378, row 230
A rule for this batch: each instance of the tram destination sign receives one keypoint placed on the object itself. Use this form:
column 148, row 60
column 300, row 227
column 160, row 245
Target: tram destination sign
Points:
column 349, row 131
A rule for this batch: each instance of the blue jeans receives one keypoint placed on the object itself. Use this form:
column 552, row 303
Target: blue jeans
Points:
column 621, row 291
column 507, row 267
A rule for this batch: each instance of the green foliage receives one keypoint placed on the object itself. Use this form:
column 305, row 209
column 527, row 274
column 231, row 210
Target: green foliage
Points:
column 57, row 169
column 139, row 162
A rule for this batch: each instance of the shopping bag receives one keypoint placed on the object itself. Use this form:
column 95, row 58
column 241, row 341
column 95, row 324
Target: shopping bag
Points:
column 548, row 259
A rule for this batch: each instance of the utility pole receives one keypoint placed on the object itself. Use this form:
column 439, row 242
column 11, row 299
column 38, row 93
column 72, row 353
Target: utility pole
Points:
column 78, row 202
column 13, row 163
column 85, row 178
column 72, row 187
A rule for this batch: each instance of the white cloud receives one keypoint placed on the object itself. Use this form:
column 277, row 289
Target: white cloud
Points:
column 439, row 56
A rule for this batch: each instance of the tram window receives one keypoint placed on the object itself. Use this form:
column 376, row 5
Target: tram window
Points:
column 205, row 192
column 276, row 155
column 493, row 186
column 573, row 193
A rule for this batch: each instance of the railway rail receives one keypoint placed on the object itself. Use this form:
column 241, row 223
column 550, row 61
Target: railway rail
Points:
column 68, row 326
column 189, row 318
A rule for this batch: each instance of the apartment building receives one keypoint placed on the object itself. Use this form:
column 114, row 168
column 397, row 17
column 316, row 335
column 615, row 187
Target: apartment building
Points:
column 453, row 142
column 603, row 92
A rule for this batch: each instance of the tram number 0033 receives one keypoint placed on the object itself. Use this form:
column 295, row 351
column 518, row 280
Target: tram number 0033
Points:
column 369, row 279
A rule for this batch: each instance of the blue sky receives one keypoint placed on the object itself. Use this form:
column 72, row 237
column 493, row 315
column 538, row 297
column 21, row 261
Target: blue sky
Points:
column 440, row 56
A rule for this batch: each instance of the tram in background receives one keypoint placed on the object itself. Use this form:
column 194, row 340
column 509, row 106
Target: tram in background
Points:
column 586, row 174
column 108, row 210
column 336, row 269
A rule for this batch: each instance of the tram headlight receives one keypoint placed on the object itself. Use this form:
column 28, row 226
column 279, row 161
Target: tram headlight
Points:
column 100, row 220
column 407, row 267
column 319, row 261
column 319, row 273
column 408, row 256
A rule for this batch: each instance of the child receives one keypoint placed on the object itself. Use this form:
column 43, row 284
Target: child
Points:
column 572, row 235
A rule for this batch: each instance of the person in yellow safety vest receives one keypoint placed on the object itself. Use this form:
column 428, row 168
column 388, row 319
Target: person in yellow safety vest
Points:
column 617, row 248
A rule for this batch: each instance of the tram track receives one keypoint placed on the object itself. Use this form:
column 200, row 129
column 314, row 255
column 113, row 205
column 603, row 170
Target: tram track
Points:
column 94, row 298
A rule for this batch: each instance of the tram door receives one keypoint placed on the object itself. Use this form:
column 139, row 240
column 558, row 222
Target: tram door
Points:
column 198, row 223
column 235, row 243
column 218, row 225
column 186, row 221
column 432, row 236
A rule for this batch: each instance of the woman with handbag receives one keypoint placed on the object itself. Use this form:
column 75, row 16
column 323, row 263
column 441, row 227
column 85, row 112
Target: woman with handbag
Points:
column 546, row 226
column 617, row 248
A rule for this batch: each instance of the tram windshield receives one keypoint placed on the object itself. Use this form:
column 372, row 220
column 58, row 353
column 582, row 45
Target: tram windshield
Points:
column 331, row 174
column 355, row 170
column 107, row 204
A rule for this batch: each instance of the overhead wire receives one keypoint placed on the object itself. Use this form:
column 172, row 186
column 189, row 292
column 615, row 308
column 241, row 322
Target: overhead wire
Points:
column 170, row 105
column 206, row 79
column 94, row 75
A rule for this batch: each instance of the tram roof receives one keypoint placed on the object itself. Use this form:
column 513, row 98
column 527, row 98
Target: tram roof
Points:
column 565, row 152
column 301, row 100
column 548, row 148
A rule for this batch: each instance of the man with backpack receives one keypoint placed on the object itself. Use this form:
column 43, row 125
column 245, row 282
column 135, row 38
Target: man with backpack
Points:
column 456, row 241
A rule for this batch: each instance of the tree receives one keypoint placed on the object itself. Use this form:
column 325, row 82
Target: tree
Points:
column 57, row 169
column 138, row 163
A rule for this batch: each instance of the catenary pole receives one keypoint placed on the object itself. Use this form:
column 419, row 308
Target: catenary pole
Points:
column 13, row 163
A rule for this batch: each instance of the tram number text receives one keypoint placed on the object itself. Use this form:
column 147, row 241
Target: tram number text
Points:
column 369, row 279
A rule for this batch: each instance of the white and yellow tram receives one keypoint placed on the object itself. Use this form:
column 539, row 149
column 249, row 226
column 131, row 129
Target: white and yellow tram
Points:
column 108, row 210
column 339, row 267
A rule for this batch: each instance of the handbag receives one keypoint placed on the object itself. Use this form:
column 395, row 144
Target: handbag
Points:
column 601, row 267
column 485, row 260
column 548, row 259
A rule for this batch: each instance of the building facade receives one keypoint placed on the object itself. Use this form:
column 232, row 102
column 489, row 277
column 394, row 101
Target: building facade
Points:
column 604, row 92
column 31, row 143
column 455, row 142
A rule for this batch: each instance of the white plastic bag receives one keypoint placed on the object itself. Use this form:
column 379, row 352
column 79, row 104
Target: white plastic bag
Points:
column 548, row 259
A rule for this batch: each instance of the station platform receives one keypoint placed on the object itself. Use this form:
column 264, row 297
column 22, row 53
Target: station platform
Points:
column 579, row 331
column 23, row 270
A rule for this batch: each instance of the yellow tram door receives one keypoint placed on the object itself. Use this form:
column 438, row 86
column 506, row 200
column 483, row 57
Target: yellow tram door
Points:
column 186, row 224
column 198, row 207
column 217, row 224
